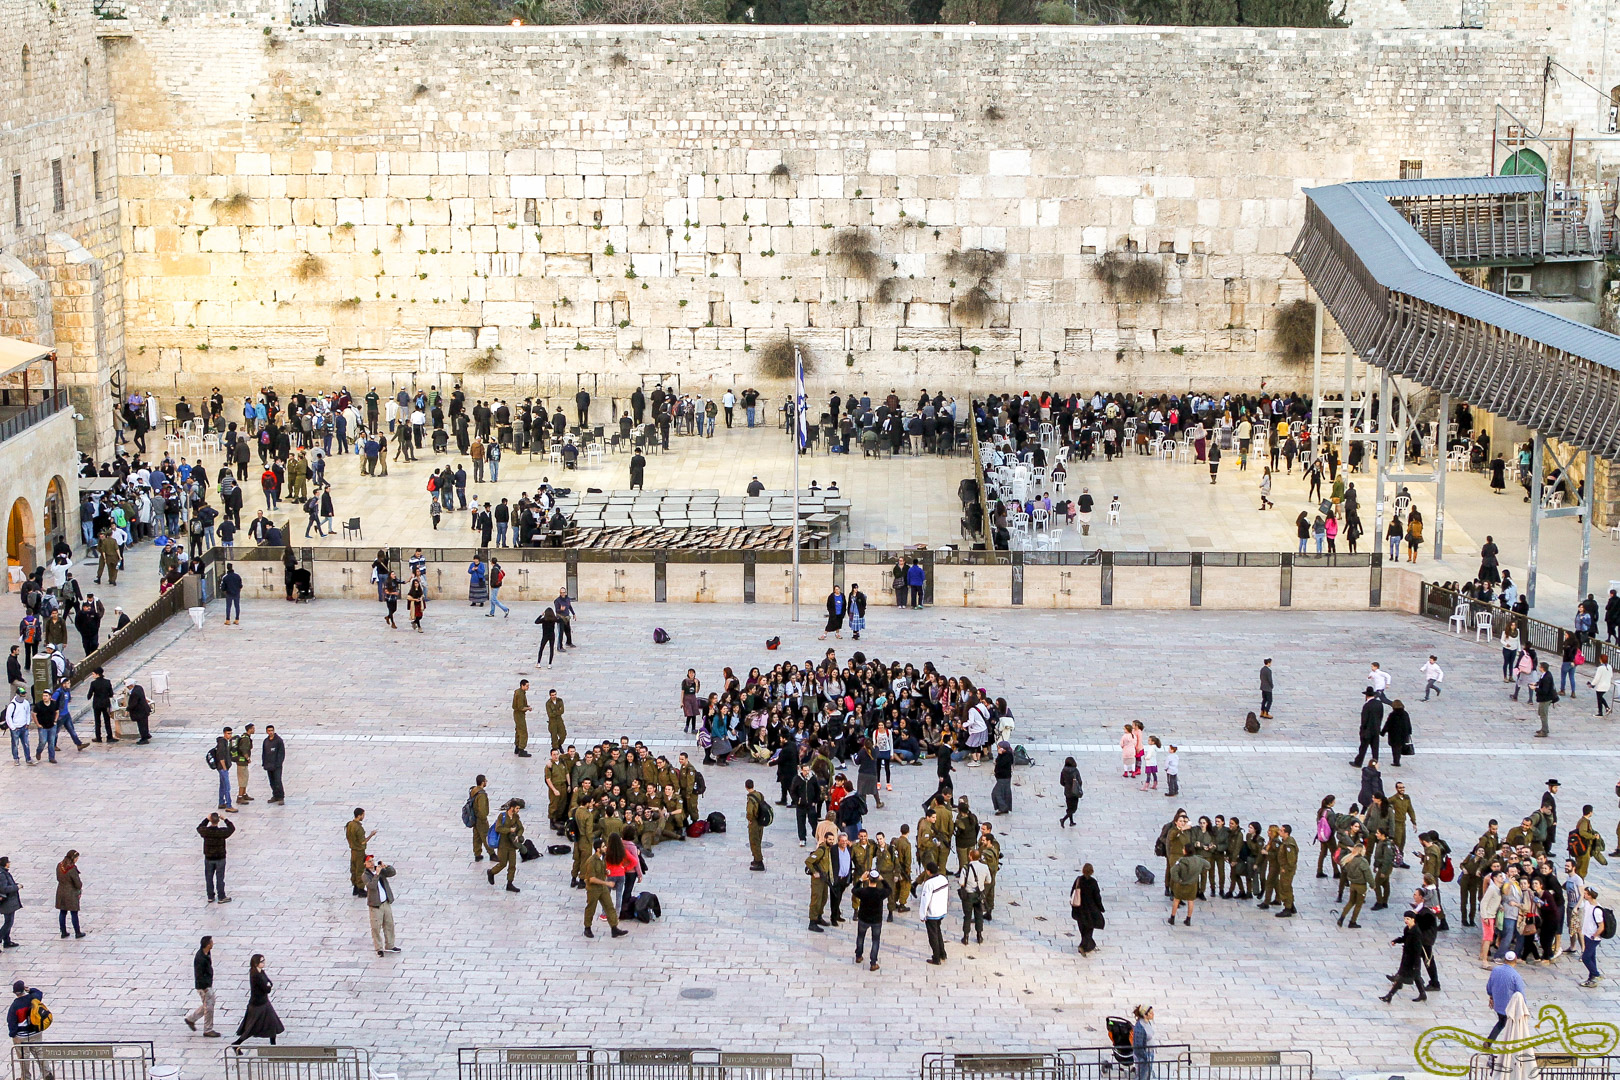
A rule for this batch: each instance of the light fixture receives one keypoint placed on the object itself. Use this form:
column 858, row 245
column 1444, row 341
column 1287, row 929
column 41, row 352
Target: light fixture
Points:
column 517, row 22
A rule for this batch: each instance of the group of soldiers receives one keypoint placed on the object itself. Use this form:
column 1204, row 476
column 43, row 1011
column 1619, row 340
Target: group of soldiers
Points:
column 612, row 787
column 941, row 828
column 1222, row 858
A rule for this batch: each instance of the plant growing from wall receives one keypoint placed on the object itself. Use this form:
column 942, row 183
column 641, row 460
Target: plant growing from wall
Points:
column 776, row 359
column 484, row 362
column 979, row 265
column 855, row 254
column 232, row 208
column 1296, row 329
column 1131, row 277
column 310, row 268
column 887, row 291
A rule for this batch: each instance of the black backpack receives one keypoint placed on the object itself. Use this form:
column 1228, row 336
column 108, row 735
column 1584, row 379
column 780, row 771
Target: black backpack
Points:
column 1251, row 724
column 212, row 758
column 660, row 636
column 1144, row 876
column 699, row 785
column 717, row 822
column 647, row 908
column 765, row 815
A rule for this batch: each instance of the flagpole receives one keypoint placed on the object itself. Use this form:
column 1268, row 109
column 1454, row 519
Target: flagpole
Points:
column 798, row 444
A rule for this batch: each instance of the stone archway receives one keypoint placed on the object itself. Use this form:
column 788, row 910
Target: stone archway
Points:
column 54, row 524
column 21, row 539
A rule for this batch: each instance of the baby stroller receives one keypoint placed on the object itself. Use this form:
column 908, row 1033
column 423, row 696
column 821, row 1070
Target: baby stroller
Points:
column 1120, row 1033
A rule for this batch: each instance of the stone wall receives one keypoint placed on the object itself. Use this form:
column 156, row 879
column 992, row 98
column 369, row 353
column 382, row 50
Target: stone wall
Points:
column 61, row 273
column 546, row 206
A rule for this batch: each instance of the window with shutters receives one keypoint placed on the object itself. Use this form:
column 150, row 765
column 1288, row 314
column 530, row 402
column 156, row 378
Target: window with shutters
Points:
column 1411, row 169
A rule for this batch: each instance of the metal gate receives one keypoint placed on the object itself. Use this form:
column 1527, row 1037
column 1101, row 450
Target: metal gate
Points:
column 1116, row 1063
column 82, row 1061
column 1550, row 1067
column 298, row 1063
column 750, row 1066
column 1244, row 1065
column 1031, row 1066
column 523, row 1063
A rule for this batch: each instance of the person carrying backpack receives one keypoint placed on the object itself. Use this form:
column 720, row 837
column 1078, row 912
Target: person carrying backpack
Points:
column 26, row 1022
column 1597, row 923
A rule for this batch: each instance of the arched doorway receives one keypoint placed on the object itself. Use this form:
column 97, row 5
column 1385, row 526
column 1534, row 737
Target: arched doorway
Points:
column 1524, row 163
column 55, row 516
column 20, row 539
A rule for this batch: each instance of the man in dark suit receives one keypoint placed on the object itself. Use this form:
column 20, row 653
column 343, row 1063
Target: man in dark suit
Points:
column 101, row 699
column 1372, row 721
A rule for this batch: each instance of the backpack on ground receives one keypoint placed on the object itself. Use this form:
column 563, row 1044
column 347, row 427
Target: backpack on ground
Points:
column 467, row 818
column 1021, row 756
column 717, row 822
column 558, row 849
column 773, row 643
column 647, row 908
column 660, row 636
column 40, row 1017
column 697, row 829
column 1251, row 724
column 765, row 815
column 529, row 852
column 1144, row 876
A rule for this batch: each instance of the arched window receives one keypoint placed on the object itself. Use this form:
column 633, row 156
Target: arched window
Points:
column 20, row 535
column 1524, row 163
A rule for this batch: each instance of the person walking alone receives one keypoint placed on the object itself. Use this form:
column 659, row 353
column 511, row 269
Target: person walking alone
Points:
column 215, row 831
column 273, row 755
column 1073, row 790
column 1546, row 697
column 520, row 718
column 69, row 890
column 1266, row 687
column 260, row 1020
column 1086, row 908
column 10, row 902
column 933, row 899
column 202, row 979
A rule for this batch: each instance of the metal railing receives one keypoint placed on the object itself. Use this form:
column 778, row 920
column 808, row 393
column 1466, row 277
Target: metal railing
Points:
column 82, row 1060
column 1244, row 1065
column 143, row 623
column 1548, row 1067
column 298, row 1063
column 54, row 402
column 998, row 1066
column 1441, row 604
column 645, row 1063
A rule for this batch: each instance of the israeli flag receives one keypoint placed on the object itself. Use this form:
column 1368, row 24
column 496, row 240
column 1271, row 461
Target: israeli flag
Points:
column 802, row 401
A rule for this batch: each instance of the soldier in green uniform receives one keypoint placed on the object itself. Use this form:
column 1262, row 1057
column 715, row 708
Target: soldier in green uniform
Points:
column 944, row 827
column 1357, row 872
column 863, row 854
column 1220, row 839
column 480, row 816
column 1237, row 888
column 584, row 816
column 990, row 856
column 598, row 891
column 1521, row 834
column 557, row 788
column 818, row 864
column 1175, row 836
column 686, row 784
column 756, row 813
column 1400, row 807
column 1470, row 874
column 1184, row 877
column 967, row 832
column 554, row 720
column 1383, row 862
column 1268, row 866
column 1588, row 842
column 928, row 849
column 900, row 856
column 1287, row 863
column 509, row 827
column 1489, row 841
column 1200, row 842
column 520, row 719
column 355, row 833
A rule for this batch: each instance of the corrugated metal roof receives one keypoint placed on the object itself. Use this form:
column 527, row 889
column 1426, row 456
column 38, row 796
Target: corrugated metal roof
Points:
column 1399, row 259
column 1439, row 187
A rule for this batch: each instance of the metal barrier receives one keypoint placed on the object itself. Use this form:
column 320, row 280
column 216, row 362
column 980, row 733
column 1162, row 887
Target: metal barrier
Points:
column 53, row 403
column 644, row 1063
column 143, row 623
column 523, row 1063
column 1244, row 1065
column 1549, row 1066
column 1030, row 1066
column 298, row 1063
column 82, row 1060
column 1440, row 604
column 1116, row 1062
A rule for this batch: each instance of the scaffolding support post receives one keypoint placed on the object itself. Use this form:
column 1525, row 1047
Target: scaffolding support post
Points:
column 1441, row 452
column 1537, row 444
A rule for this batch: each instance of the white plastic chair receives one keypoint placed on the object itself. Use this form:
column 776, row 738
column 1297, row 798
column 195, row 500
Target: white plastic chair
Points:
column 1063, row 453
column 1482, row 626
column 1614, row 531
column 1062, row 482
column 1113, row 517
column 160, row 685
column 1042, row 519
column 1459, row 619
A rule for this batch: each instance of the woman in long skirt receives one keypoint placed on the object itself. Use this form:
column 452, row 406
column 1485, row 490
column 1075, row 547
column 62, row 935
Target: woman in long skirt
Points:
column 835, row 613
column 416, row 601
column 260, row 1021
column 477, row 584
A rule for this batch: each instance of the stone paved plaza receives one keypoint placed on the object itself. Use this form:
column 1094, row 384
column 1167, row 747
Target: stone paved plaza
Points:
column 399, row 723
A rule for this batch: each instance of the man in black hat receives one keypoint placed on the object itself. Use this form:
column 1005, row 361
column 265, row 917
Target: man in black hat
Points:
column 1372, row 720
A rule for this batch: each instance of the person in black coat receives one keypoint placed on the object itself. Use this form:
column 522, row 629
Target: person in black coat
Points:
column 1372, row 783
column 807, row 795
column 1073, row 788
column 1398, row 730
column 638, row 468
column 140, row 709
column 260, row 1021
column 1372, row 720
column 1411, row 969
column 101, row 700
column 787, row 767
column 14, row 669
column 274, row 755
column 835, row 613
column 1088, row 911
